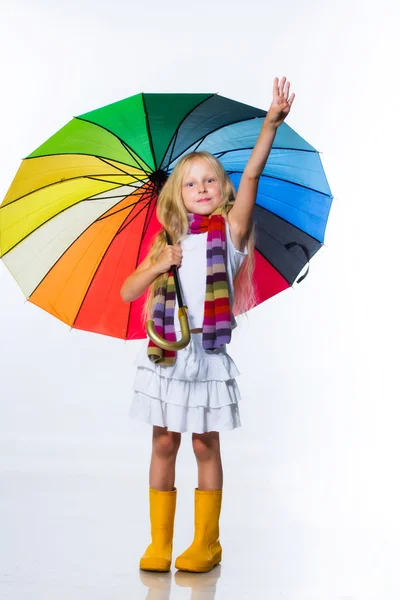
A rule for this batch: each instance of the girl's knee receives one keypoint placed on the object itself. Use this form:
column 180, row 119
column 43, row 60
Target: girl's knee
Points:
column 165, row 443
column 206, row 445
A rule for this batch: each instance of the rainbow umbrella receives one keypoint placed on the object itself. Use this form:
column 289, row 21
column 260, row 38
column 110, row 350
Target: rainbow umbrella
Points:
column 80, row 212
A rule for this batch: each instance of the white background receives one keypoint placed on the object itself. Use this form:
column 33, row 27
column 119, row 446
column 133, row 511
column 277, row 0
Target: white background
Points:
column 311, row 479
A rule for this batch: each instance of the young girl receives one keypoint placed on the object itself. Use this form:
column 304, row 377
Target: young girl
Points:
column 194, row 389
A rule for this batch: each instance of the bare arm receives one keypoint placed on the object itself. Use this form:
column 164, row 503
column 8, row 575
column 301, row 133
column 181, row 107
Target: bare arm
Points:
column 240, row 216
column 147, row 272
column 138, row 281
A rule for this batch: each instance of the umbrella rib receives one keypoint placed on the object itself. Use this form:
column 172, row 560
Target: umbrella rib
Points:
column 124, row 144
column 144, row 231
column 94, row 275
column 146, row 225
column 175, row 137
column 304, row 187
column 142, row 199
column 200, row 142
column 280, row 273
column 94, row 177
column 139, row 190
column 223, row 152
column 210, row 132
column 289, row 223
column 182, row 120
column 140, row 166
column 97, row 178
column 173, row 146
column 56, row 215
column 104, row 158
column 118, row 168
column 66, row 249
column 274, row 267
column 139, row 201
column 148, row 198
column 195, row 149
column 106, row 197
column 149, row 133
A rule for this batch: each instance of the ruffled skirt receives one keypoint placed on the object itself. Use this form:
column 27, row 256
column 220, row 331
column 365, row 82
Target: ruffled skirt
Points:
column 198, row 393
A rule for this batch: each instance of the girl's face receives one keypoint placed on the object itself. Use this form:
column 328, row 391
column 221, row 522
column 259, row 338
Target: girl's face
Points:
column 201, row 190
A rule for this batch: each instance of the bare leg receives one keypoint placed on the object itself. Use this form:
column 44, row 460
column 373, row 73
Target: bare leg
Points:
column 205, row 551
column 206, row 447
column 163, row 458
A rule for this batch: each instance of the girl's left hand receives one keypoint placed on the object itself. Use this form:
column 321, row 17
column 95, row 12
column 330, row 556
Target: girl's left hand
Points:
column 280, row 106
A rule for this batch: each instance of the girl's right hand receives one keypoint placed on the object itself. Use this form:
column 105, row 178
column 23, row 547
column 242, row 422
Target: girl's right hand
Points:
column 171, row 255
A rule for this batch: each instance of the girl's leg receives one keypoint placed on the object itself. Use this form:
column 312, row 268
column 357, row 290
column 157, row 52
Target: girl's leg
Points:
column 165, row 446
column 162, row 498
column 205, row 551
column 206, row 447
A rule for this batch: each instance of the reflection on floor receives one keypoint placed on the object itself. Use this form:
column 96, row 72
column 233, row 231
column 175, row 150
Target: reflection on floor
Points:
column 203, row 586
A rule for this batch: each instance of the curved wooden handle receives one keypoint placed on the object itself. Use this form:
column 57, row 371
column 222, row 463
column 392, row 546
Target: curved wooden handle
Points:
column 166, row 345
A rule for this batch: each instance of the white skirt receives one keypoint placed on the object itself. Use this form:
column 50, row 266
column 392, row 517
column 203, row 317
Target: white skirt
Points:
column 198, row 393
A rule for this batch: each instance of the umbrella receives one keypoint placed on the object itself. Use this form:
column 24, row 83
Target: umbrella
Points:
column 80, row 213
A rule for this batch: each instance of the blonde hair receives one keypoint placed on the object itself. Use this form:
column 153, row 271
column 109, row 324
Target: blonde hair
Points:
column 172, row 215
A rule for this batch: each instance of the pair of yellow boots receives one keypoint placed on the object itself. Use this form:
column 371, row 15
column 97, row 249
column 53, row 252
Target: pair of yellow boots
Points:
column 204, row 553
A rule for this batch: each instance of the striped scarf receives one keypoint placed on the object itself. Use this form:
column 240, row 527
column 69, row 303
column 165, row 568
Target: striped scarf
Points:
column 217, row 324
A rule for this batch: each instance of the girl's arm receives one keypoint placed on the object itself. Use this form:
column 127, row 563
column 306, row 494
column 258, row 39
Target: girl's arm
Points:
column 136, row 283
column 240, row 216
column 139, row 280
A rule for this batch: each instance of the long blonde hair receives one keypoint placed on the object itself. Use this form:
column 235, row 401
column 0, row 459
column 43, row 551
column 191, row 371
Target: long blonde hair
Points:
column 172, row 215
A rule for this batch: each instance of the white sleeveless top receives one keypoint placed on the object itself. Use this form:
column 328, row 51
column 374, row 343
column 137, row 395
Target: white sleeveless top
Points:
column 192, row 275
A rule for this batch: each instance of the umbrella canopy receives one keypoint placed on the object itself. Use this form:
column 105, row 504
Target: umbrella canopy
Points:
column 80, row 213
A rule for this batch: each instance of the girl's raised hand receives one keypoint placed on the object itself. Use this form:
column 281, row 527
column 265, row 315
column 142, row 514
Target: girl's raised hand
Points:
column 281, row 105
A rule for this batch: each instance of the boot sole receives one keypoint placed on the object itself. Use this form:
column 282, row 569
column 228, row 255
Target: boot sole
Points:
column 191, row 568
column 150, row 565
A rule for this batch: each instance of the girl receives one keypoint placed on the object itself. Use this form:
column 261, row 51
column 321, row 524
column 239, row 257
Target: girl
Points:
column 194, row 389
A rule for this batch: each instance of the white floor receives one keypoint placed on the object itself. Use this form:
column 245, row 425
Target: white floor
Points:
column 74, row 522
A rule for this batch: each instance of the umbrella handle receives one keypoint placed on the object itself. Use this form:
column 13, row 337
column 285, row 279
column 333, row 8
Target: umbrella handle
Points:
column 182, row 316
column 165, row 344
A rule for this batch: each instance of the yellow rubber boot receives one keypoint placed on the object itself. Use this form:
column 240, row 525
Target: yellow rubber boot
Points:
column 158, row 555
column 205, row 552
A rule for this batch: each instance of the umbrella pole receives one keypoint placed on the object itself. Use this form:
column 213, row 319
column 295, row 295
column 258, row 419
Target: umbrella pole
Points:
column 182, row 315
